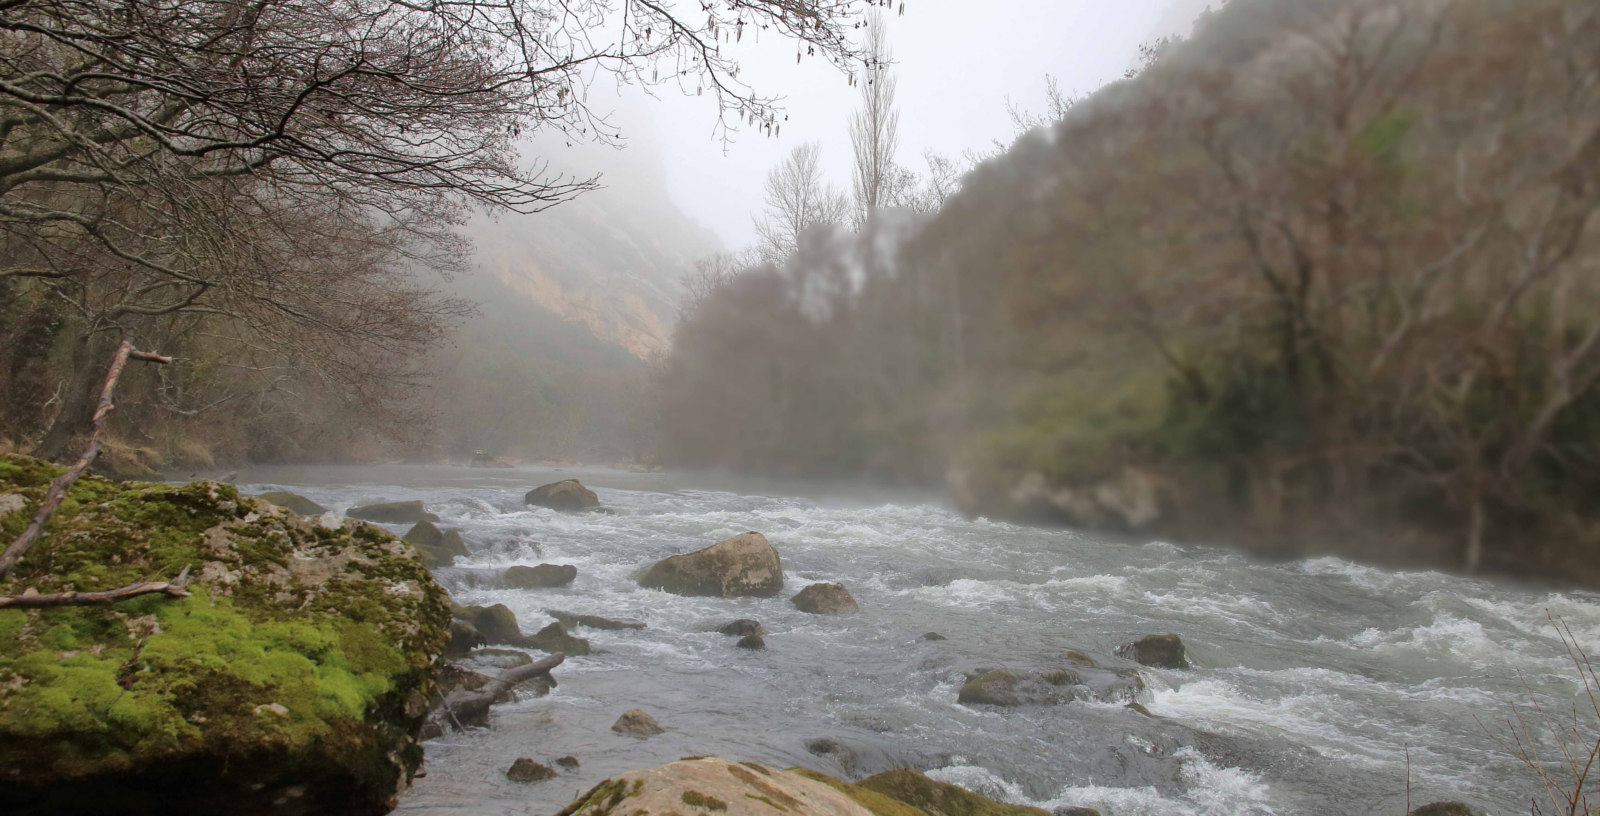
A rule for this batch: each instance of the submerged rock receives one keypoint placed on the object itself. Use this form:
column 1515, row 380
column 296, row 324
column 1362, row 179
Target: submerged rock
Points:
column 293, row 501
column 754, row 643
column 825, row 599
column 1160, row 651
column 1444, row 809
column 408, row 512
column 555, row 638
column 568, row 496
column 743, row 627
column 1004, row 687
column 498, row 624
column 593, row 621
column 742, row 566
column 544, row 576
column 299, row 669
column 526, row 770
column 934, row 636
column 568, row 762
column 636, row 723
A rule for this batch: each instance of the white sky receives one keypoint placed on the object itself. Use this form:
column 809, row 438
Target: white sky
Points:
column 957, row 62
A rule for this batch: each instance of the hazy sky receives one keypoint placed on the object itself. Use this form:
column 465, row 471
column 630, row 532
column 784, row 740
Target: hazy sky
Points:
column 957, row 62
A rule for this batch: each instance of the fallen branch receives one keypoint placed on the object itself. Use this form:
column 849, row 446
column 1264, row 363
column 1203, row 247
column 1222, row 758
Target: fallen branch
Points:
column 58, row 487
column 177, row 588
column 472, row 707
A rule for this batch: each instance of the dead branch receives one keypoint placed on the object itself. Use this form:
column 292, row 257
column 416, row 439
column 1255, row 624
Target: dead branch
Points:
column 472, row 707
column 58, row 487
column 177, row 588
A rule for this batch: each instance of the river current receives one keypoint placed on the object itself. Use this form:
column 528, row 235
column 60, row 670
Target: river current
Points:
column 1318, row 685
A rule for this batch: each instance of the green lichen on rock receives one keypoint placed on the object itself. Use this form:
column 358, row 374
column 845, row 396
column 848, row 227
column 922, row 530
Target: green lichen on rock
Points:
column 941, row 798
column 302, row 661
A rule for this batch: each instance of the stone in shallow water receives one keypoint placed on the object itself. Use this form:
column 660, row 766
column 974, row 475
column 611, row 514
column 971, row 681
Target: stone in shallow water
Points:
column 934, row 636
column 567, row 496
column 636, row 723
column 825, row 599
column 593, row 621
column 752, row 642
column 392, row 512
column 743, row 627
column 544, row 576
column 1160, row 651
column 568, row 762
column 743, row 566
column 526, row 770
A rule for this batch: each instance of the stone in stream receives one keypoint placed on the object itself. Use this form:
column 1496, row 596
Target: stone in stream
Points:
column 568, row 762
column 498, row 624
column 1444, row 809
column 464, row 637
column 408, row 512
column 636, row 723
column 825, row 599
column 743, row 627
column 438, row 548
column 555, row 638
column 567, row 496
column 754, row 643
column 526, row 770
column 743, row 566
column 1006, row 687
column 293, row 501
column 1160, row 651
column 592, row 621
column 934, row 636
column 544, row 576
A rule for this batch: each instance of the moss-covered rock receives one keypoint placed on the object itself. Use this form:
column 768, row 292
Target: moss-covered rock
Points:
column 296, row 675
column 940, row 798
column 293, row 501
column 406, row 512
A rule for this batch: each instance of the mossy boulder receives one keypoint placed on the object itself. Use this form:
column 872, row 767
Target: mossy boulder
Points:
column 567, row 496
column 407, row 512
column 743, row 566
column 298, row 671
column 293, row 501
column 940, row 798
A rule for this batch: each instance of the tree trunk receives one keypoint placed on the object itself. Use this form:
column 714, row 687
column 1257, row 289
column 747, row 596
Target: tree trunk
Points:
column 1475, row 525
column 91, row 354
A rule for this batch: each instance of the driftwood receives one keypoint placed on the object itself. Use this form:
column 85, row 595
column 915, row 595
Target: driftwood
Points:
column 177, row 588
column 57, row 491
column 462, row 707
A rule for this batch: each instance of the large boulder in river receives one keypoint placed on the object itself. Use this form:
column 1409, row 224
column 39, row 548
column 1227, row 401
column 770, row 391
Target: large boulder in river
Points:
column 825, row 599
column 298, row 670
column 568, row 496
column 713, row 785
column 544, row 576
column 1160, row 651
column 293, row 501
column 408, row 512
column 637, row 723
column 742, row 566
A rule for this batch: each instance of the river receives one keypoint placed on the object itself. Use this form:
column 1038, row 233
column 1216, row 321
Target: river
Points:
column 1316, row 683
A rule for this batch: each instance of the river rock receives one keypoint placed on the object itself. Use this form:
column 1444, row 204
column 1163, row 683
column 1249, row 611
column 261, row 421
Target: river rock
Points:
column 743, row 627
column 1161, row 651
column 526, row 770
column 1444, row 809
column 568, row 496
column 555, row 638
column 934, row 636
column 593, row 621
column 544, row 576
column 742, row 566
column 464, row 637
column 568, row 762
column 438, row 548
column 636, row 723
column 825, row 599
column 298, row 670
column 1007, row 687
column 408, row 512
column 293, row 501
column 913, row 788
column 497, row 623
column 754, row 643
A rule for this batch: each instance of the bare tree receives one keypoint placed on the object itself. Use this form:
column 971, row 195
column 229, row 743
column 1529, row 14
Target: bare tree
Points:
column 875, row 129
column 797, row 199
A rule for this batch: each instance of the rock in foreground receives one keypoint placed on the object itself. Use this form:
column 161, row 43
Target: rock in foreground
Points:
column 742, row 566
column 825, row 599
column 298, row 671
column 568, row 496
column 293, row 501
column 712, row 785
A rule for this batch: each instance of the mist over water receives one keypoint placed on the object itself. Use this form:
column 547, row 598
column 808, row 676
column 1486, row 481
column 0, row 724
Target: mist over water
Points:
column 1313, row 679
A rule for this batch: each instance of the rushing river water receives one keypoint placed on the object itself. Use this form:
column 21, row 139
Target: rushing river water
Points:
column 1315, row 682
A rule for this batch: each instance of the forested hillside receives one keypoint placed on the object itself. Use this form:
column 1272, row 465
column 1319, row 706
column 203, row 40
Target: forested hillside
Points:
column 1324, row 276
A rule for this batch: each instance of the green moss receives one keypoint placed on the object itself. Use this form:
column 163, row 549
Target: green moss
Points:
column 259, row 659
column 940, row 798
column 599, row 801
column 695, row 798
column 879, row 804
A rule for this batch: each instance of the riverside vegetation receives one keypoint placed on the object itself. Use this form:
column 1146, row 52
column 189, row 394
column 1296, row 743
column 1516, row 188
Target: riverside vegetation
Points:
column 1320, row 278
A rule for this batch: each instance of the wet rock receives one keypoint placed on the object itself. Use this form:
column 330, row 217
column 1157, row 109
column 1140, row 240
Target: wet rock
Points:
column 752, row 642
column 1139, row 708
column 1160, row 651
column 1078, row 658
column 555, row 638
column 392, row 513
column 825, row 599
column 593, row 621
column 822, row 746
column 293, row 501
column 567, row 496
column 914, row 789
column 464, row 637
column 743, row 627
column 544, row 576
column 636, row 723
column 1005, row 687
column 526, row 770
column 497, row 623
column 1075, row 811
column 709, row 785
column 568, row 762
column 742, row 566
column 1444, row 809
column 934, row 636
column 439, row 548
